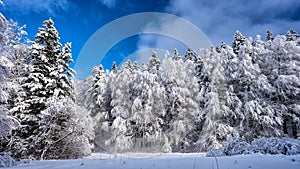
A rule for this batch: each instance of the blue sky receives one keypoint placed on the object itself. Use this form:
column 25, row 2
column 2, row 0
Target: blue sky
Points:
column 77, row 20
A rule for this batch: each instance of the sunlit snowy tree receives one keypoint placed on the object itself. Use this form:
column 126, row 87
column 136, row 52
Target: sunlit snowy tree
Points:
column 238, row 41
column 48, row 75
column 216, row 116
column 182, row 98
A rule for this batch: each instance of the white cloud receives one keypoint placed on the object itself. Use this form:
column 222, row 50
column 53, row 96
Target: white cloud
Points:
column 38, row 6
column 174, row 32
column 220, row 19
column 108, row 3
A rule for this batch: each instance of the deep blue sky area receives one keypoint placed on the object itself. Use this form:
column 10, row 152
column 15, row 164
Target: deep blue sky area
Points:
column 77, row 20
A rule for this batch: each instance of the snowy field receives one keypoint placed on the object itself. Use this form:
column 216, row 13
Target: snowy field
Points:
column 169, row 161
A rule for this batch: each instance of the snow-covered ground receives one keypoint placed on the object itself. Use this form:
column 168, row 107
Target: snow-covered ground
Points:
column 169, row 161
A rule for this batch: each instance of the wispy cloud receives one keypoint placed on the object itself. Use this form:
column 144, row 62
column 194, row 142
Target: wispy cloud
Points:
column 108, row 3
column 174, row 32
column 38, row 6
column 219, row 19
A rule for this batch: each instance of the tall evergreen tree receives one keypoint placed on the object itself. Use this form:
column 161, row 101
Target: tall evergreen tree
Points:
column 269, row 35
column 65, row 86
column 291, row 35
column 287, row 84
column 239, row 40
column 154, row 62
column 93, row 92
column 176, row 55
column 122, row 98
column 48, row 76
column 182, row 98
column 216, row 115
column 190, row 55
column 13, row 53
column 114, row 68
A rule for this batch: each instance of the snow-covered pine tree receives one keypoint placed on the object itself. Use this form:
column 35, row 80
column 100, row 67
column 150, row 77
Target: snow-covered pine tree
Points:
column 154, row 62
column 230, row 63
column 216, row 115
column 13, row 51
column 202, row 76
column 63, row 73
column 287, row 83
column 14, row 46
column 291, row 35
column 195, row 63
column 147, row 109
column 38, row 86
column 114, row 68
column 223, row 45
column 182, row 98
column 176, row 55
column 104, row 97
column 260, row 117
column 49, row 75
column 191, row 55
column 93, row 92
column 238, row 41
column 269, row 35
column 104, row 117
column 121, row 103
column 5, row 121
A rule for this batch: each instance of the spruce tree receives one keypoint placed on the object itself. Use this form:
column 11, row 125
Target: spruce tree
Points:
column 122, row 99
column 93, row 91
column 182, row 98
column 291, row 35
column 65, row 86
column 48, row 75
column 176, row 55
column 238, row 41
column 191, row 55
column 154, row 62
column 269, row 35
column 114, row 68
column 216, row 115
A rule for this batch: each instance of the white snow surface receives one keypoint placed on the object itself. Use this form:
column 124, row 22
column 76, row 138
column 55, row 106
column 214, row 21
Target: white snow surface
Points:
column 171, row 161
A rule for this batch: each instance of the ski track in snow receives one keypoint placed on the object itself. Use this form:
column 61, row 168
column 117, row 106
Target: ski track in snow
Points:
column 168, row 161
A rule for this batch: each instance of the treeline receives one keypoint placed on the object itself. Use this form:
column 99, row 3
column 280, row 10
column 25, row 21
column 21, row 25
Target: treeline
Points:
column 190, row 103
column 197, row 102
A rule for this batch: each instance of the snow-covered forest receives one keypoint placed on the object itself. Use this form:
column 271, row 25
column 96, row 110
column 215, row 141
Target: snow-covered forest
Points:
column 192, row 102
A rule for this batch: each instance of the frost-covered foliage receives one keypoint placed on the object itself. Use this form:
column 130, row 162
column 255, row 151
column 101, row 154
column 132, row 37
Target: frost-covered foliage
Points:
column 51, row 125
column 247, row 90
column 67, row 130
column 5, row 124
column 11, row 47
column 6, row 160
column 216, row 114
column 194, row 103
column 272, row 145
column 46, row 71
column 239, row 40
column 134, row 123
column 182, row 101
